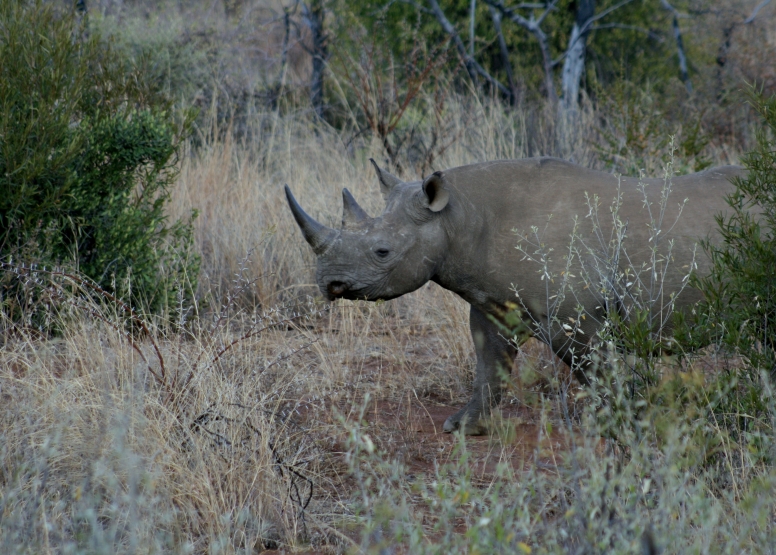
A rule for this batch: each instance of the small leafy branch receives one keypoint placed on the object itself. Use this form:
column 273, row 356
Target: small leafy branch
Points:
column 633, row 295
column 634, row 312
column 739, row 309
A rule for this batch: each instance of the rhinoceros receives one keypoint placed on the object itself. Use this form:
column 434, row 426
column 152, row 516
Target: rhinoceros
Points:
column 457, row 228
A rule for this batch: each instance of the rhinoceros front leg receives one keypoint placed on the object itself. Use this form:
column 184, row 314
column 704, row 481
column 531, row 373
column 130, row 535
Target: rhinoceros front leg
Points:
column 493, row 354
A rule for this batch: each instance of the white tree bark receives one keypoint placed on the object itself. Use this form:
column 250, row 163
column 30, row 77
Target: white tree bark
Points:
column 573, row 68
column 574, row 62
column 534, row 26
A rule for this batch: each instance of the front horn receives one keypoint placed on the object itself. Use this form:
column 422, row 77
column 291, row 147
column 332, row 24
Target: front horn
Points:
column 318, row 235
column 352, row 213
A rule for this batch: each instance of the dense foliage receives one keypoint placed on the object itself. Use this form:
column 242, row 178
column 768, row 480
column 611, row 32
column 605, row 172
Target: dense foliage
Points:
column 739, row 312
column 87, row 157
column 741, row 289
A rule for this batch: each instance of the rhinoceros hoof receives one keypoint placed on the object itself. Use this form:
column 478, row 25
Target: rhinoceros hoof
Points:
column 467, row 420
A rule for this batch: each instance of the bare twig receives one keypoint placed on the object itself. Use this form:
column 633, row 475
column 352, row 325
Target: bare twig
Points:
column 588, row 25
column 385, row 92
column 286, row 470
column 252, row 333
column 603, row 14
column 727, row 35
column 757, row 9
column 648, row 32
column 88, row 284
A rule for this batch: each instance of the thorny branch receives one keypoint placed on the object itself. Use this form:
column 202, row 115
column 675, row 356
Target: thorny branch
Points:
column 292, row 472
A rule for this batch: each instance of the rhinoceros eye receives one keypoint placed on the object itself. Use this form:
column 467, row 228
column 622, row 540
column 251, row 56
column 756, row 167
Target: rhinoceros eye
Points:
column 382, row 253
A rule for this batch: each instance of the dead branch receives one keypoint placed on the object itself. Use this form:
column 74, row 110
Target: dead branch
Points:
column 474, row 68
column 757, row 9
column 533, row 26
column 85, row 282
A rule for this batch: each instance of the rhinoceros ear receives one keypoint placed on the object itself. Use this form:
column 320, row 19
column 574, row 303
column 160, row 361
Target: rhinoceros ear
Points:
column 387, row 181
column 436, row 192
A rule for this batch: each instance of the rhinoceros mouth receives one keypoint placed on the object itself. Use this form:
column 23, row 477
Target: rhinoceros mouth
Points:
column 336, row 289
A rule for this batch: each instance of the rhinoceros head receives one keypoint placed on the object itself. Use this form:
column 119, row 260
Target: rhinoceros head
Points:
column 383, row 257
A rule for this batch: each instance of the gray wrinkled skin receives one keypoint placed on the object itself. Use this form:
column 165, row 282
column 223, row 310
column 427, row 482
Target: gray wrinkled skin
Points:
column 456, row 228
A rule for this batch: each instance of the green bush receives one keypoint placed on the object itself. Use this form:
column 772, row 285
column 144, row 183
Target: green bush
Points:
column 180, row 60
column 739, row 309
column 741, row 289
column 87, row 158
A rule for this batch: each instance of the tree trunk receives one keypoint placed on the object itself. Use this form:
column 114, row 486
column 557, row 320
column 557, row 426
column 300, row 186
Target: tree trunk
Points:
column 534, row 26
column 314, row 13
column 683, row 73
column 472, row 10
column 502, row 45
column 574, row 63
column 82, row 18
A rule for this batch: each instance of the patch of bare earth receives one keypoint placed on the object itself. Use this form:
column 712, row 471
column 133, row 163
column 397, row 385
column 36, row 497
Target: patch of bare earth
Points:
column 401, row 376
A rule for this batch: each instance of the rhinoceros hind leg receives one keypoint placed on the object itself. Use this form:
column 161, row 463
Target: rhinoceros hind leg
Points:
column 493, row 353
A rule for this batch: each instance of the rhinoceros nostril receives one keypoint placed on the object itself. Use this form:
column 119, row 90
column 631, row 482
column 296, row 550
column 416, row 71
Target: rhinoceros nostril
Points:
column 336, row 288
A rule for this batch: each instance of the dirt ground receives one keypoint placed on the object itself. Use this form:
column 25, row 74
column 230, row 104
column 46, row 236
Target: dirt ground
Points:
column 412, row 429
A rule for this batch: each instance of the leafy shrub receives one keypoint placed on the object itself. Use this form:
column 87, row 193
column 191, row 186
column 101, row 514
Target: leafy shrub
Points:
column 87, row 158
column 739, row 311
column 645, row 495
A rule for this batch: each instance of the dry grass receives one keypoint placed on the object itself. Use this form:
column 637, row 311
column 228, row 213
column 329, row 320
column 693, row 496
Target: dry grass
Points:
column 247, row 451
column 238, row 188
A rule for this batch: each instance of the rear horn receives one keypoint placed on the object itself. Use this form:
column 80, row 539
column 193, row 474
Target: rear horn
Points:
column 352, row 213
